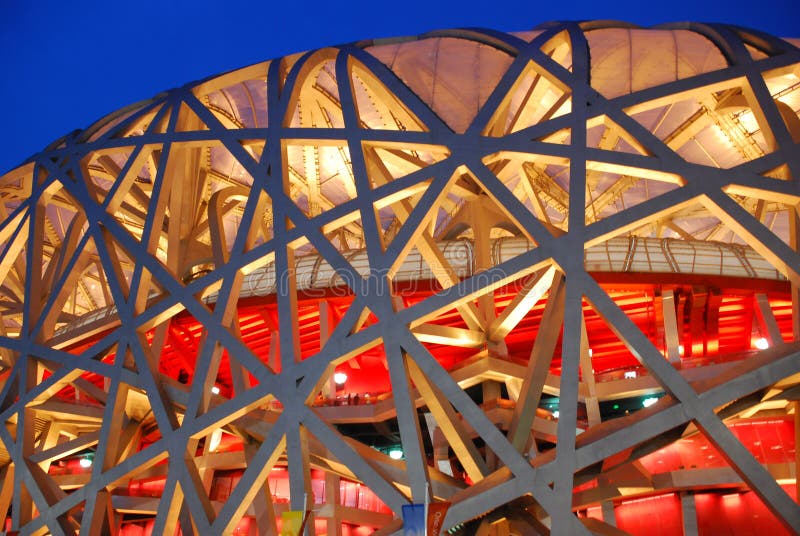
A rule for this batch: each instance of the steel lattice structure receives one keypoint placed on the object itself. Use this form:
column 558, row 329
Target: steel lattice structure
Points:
column 463, row 208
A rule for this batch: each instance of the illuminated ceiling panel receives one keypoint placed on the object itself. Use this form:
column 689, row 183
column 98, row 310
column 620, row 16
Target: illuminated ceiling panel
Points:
column 494, row 237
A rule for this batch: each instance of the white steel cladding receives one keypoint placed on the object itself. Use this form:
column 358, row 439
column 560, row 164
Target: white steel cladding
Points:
column 489, row 238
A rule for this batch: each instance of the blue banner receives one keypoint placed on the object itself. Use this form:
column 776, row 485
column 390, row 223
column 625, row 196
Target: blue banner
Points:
column 413, row 520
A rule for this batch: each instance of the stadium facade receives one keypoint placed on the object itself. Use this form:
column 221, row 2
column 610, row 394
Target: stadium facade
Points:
column 550, row 277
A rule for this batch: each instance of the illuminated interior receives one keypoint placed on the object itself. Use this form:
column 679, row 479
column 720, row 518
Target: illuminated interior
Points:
column 550, row 277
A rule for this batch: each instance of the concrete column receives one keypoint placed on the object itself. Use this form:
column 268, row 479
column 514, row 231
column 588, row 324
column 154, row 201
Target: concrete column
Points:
column 689, row 514
column 609, row 516
column 325, row 322
column 796, row 451
column 333, row 500
column 513, row 386
column 671, row 333
column 491, row 390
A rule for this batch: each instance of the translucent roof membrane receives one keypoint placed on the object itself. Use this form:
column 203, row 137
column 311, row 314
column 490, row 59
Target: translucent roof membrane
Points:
column 277, row 266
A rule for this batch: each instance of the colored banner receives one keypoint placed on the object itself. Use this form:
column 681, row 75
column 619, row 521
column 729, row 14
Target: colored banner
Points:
column 413, row 520
column 436, row 513
column 292, row 523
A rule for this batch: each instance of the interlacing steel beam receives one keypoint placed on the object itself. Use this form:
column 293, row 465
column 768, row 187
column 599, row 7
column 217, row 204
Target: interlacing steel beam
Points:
column 162, row 319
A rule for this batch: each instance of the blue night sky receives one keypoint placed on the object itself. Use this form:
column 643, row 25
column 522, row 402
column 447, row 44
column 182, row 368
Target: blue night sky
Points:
column 67, row 63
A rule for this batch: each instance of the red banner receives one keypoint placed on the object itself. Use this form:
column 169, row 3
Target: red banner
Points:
column 436, row 513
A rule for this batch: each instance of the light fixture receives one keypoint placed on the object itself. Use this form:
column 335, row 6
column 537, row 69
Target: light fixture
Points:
column 762, row 343
column 215, row 440
column 556, row 414
column 85, row 462
column 396, row 454
column 215, row 390
column 647, row 402
column 339, row 378
column 630, row 374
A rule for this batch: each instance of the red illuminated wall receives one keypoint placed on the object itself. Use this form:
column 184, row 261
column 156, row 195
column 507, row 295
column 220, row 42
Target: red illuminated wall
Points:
column 651, row 516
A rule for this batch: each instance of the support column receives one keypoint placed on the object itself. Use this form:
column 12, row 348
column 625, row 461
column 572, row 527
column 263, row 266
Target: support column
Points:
column 333, row 500
column 6, row 488
column 538, row 366
column 689, row 514
column 325, row 324
column 22, row 503
column 491, row 390
column 671, row 334
column 796, row 404
column 481, row 229
column 49, row 441
column 263, row 521
column 766, row 320
column 697, row 322
column 587, row 377
column 301, row 496
column 794, row 241
column 441, row 459
column 274, row 351
column 712, row 321
column 513, row 386
column 609, row 515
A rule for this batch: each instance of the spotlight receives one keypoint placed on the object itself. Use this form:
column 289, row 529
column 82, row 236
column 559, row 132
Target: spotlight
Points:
column 215, row 390
column 762, row 343
column 85, row 462
column 396, row 454
column 339, row 378
column 647, row 402
column 556, row 414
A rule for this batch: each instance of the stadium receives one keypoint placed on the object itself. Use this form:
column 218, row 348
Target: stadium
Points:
column 549, row 278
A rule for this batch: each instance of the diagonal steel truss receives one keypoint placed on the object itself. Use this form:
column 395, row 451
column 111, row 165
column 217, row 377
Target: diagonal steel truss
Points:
column 172, row 207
